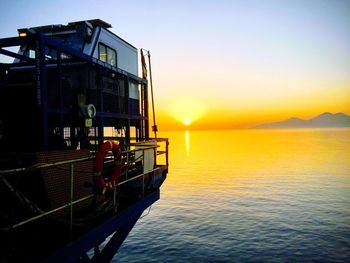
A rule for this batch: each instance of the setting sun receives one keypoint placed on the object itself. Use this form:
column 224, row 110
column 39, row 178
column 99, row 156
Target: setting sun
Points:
column 187, row 121
column 187, row 110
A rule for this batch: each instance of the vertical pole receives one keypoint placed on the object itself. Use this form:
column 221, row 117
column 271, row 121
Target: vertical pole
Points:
column 127, row 166
column 143, row 174
column 167, row 152
column 60, row 88
column 42, row 90
column 143, row 185
column 127, row 131
column 114, row 199
column 142, row 121
column 154, row 127
column 71, row 201
column 145, row 85
column 100, row 90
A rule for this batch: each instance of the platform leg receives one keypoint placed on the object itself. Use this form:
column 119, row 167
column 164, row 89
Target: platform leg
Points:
column 116, row 241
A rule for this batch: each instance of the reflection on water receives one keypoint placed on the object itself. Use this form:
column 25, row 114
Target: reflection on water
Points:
column 187, row 141
column 253, row 195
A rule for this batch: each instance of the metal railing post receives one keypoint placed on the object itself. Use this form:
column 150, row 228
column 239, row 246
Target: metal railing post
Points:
column 114, row 199
column 143, row 176
column 167, row 152
column 71, row 201
column 127, row 166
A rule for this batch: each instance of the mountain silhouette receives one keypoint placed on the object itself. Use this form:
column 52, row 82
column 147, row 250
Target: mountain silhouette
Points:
column 324, row 120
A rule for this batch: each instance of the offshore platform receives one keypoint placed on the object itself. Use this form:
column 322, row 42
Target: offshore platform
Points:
column 77, row 164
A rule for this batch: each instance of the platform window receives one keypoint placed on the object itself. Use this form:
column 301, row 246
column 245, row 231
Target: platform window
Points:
column 102, row 50
column 107, row 54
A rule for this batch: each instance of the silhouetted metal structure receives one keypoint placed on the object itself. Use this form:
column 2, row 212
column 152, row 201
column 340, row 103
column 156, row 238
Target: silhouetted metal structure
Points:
column 66, row 91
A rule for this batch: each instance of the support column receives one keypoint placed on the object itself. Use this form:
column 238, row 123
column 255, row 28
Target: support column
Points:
column 146, row 112
column 41, row 87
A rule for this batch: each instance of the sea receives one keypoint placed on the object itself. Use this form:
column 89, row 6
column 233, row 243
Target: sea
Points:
column 249, row 196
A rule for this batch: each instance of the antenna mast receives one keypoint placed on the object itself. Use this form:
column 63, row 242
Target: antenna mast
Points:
column 154, row 127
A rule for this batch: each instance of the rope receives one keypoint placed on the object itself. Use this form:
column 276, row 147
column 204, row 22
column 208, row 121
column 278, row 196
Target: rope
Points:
column 149, row 210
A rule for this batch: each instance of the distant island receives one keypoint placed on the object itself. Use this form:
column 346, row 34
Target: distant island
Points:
column 324, row 120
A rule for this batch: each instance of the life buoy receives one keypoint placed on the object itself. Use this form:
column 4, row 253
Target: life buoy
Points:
column 98, row 166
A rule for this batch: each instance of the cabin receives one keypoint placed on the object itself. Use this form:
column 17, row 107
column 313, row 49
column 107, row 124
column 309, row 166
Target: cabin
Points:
column 71, row 99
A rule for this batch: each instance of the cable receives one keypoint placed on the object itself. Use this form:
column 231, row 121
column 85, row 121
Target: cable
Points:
column 149, row 210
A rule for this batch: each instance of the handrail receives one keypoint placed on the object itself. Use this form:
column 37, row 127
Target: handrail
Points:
column 138, row 176
column 52, row 211
column 40, row 166
column 73, row 202
column 70, row 204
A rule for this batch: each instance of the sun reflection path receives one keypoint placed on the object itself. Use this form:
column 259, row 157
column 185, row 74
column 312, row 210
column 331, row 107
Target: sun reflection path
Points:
column 187, row 143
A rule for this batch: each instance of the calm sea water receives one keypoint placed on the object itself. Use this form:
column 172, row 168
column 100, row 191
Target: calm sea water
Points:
column 252, row 195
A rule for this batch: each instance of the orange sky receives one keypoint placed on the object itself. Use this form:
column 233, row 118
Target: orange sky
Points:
column 252, row 63
column 195, row 114
column 224, row 64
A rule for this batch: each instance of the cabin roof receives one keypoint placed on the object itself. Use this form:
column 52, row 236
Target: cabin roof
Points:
column 94, row 22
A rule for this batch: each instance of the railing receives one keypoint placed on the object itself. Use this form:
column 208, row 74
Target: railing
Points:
column 128, row 162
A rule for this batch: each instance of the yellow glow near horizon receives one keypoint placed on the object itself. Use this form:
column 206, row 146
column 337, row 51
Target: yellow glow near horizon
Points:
column 187, row 110
column 193, row 114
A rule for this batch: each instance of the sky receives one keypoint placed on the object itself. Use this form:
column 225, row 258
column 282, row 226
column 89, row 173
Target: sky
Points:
column 223, row 64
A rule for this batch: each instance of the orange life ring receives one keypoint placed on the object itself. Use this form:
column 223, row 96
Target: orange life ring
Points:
column 98, row 166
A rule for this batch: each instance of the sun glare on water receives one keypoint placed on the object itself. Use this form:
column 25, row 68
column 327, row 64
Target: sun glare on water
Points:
column 187, row 110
